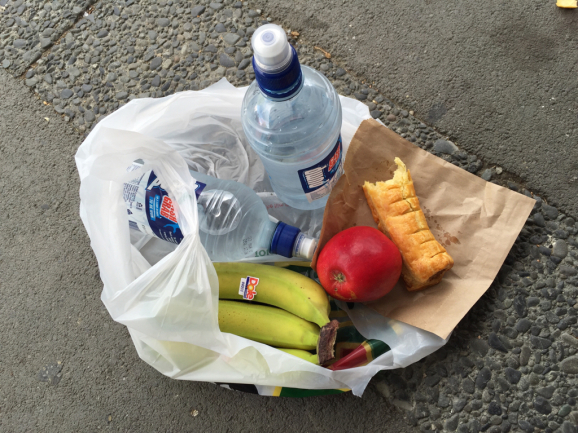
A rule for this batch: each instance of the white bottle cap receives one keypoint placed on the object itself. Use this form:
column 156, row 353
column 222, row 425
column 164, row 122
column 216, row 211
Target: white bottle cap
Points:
column 271, row 50
column 307, row 248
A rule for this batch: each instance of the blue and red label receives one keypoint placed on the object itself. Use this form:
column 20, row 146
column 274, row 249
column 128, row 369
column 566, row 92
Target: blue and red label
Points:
column 319, row 179
column 248, row 287
column 150, row 208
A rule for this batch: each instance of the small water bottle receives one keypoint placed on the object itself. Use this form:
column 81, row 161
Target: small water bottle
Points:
column 233, row 221
column 291, row 116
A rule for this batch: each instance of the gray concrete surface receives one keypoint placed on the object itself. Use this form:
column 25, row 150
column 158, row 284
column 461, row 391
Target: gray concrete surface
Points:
column 499, row 78
column 65, row 365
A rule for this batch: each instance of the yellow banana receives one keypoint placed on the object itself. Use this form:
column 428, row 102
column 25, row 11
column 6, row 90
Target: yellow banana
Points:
column 268, row 325
column 303, row 354
column 275, row 286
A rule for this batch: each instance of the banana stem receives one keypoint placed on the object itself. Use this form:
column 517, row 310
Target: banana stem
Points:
column 326, row 343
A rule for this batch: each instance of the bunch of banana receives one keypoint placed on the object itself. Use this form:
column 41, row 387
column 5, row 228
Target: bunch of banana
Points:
column 295, row 316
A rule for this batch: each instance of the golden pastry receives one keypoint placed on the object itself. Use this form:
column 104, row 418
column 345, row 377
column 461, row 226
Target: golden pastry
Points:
column 397, row 212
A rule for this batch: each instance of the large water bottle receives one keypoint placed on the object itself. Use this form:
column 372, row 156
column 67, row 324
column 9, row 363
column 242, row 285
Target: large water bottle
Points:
column 292, row 118
column 233, row 221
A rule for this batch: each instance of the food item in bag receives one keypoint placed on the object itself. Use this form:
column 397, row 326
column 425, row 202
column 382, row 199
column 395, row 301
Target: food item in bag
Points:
column 359, row 264
column 233, row 221
column 397, row 212
column 277, row 328
column 274, row 286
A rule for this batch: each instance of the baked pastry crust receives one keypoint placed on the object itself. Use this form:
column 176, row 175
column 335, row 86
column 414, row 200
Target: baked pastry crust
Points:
column 397, row 212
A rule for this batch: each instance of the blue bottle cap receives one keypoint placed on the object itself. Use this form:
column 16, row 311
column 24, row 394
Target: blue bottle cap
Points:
column 283, row 84
column 284, row 239
column 275, row 62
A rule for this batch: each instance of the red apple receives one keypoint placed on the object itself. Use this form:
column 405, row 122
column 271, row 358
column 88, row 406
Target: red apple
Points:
column 359, row 264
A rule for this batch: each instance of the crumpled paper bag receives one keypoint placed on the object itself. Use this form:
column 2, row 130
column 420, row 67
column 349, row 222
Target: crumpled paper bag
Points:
column 476, row 221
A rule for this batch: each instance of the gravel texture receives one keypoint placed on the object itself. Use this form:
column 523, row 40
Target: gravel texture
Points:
column 28, row 28
column 141, row 49
column 510, row 365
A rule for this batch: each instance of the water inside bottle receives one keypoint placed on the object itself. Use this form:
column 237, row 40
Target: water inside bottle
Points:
column 219, row 212
column 298, row 140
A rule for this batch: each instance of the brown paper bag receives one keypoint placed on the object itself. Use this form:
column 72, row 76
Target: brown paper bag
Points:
column 476, row 221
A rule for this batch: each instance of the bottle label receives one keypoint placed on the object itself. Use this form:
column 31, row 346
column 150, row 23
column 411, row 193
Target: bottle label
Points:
column 319, row 179
column 150, row 209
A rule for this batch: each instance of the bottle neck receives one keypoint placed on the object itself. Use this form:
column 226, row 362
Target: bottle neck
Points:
column 289, row 241
column 280, row 85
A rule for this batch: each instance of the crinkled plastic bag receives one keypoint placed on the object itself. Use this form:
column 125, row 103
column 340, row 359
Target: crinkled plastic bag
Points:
column 167, row 295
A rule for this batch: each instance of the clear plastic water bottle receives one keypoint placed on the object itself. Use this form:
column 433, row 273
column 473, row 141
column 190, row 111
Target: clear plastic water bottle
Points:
column 292, row 118
column 233, row 221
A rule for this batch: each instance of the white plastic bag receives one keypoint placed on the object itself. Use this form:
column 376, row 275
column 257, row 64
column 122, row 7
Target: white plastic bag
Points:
column 167, row 295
